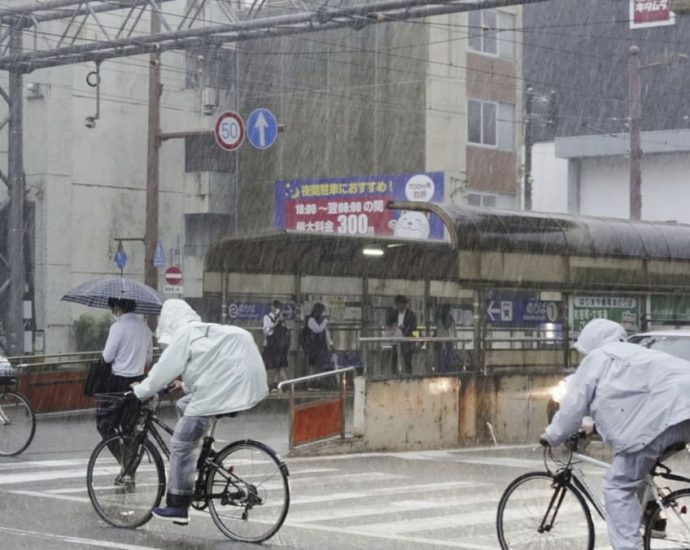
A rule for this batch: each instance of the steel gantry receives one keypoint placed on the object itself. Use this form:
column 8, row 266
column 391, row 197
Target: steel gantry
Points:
column 51, row 33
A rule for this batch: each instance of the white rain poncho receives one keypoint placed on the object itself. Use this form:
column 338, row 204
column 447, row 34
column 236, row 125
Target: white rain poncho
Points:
column 633, row 393
column 220, row 365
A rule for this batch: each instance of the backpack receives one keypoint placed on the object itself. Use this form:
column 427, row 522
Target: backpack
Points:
column 281, row 336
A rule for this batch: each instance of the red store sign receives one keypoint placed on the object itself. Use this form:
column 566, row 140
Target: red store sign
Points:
column 650, row 13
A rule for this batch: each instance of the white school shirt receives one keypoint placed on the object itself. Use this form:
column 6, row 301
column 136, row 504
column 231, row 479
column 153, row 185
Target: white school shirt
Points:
column 129, row 346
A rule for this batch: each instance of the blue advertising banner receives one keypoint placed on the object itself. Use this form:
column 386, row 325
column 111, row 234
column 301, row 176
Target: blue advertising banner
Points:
column 357, row 205
column 521, row 309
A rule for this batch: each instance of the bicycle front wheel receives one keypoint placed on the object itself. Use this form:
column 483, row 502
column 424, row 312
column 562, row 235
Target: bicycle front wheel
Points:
column 536, row 511
column 126, row 480
column 248, row 491
column 17, row 423
column 670, row 528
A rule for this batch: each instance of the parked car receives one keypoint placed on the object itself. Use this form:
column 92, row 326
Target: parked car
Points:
column 673, row 341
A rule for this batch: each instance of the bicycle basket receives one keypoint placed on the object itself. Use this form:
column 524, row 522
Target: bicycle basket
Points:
column 8, row 374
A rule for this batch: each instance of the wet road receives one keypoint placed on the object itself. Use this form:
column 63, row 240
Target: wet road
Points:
column 415, row 500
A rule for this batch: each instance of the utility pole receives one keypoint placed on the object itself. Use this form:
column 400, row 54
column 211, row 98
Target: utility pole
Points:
column 529, row 97
column 153, row 159
column 635, row 111
column 14, row 324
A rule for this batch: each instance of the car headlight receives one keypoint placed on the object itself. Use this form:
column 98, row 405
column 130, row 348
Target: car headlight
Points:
column 558, row 391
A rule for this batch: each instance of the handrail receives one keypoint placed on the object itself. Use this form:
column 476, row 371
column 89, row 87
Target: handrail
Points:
column 294, row 381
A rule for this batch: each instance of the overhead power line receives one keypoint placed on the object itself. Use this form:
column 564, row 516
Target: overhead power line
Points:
column 182, row 36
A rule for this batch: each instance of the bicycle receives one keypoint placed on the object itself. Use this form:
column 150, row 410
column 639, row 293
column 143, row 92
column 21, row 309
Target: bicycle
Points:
column 17, row 416
column 244, row 485
column 551, row 509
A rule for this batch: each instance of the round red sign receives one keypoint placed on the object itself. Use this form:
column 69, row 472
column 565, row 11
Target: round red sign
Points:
column 173, row 275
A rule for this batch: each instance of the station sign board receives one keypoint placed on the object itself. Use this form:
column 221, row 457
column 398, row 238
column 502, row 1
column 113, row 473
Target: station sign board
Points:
column 624, row 309
column 523, row 309
column 357, row 205
column 239, row 310
column 664, row 307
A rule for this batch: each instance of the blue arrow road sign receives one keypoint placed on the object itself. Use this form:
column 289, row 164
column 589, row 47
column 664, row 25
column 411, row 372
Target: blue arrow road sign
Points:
column 262, row 128
column 159, row 255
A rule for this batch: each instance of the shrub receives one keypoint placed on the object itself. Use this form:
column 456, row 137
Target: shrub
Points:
column 91, row 331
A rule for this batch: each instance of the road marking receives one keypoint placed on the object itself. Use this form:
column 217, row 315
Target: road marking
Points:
column 76, row 540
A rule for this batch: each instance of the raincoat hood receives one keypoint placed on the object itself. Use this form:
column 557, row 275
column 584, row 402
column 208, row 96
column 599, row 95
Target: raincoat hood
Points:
column 175, row 314
column 597, row 333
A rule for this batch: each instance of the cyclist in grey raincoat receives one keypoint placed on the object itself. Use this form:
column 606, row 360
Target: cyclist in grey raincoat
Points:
column 640, row 401
column 222, row 372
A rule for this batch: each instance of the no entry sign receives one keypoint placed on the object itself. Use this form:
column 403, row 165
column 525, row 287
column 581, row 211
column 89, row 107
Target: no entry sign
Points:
column 173, row 275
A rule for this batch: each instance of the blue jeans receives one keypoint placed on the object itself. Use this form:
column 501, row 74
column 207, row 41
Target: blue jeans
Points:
column 184, row 449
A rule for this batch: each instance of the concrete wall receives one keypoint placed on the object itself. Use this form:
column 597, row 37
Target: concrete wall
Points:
column 410, row 414
column 445, row 412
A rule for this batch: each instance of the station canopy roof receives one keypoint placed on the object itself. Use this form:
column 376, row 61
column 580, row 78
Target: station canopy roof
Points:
column 563, row 234
column 473, row 229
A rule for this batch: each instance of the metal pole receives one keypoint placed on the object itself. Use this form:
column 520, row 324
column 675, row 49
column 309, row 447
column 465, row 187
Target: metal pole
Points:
column 529, row 95
column 153, row 160
column 634, row 97
column 14, row 325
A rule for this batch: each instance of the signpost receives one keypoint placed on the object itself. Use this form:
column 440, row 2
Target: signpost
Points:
column 229, row 130
column 262, row 128
column 173, row 278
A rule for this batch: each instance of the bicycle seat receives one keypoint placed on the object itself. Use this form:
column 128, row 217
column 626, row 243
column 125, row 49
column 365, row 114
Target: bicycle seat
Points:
column 226, row 415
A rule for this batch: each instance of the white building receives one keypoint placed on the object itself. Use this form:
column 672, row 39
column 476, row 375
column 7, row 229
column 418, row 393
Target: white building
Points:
column 589, row 175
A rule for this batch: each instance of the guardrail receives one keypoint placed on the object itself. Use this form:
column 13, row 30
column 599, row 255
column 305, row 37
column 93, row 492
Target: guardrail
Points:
column 321, row 418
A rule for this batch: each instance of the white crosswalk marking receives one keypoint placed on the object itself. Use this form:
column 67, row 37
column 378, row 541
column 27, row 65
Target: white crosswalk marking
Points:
column 340, row 497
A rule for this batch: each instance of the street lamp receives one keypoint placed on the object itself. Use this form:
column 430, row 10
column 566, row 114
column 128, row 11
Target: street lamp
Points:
column 635, row 99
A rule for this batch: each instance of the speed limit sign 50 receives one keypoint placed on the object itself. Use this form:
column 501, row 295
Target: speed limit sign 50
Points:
column 229, row 130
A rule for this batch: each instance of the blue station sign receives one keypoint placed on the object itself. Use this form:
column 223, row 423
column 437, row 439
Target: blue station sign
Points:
column 525, row 309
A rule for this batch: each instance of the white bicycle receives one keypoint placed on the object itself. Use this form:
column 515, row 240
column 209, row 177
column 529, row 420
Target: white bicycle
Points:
column 552, row 509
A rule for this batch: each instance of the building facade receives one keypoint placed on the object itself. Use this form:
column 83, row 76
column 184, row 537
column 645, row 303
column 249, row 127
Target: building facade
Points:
column 438, row 95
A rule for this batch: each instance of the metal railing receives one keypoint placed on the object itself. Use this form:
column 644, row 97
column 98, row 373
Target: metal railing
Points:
column 426, row 345
column 342, row 391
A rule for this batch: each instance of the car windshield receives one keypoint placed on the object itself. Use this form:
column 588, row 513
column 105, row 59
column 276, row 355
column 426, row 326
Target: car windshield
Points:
column 675, row 345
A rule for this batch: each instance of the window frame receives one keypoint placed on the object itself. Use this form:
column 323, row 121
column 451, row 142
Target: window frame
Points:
column 499, row 123
column 497, row 31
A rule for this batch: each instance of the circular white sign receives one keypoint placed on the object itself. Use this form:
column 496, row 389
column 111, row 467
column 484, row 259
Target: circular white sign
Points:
column 229, row 130
column 420, row 188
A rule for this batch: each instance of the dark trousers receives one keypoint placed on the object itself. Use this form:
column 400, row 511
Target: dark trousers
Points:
column 111, row 413
column 406, row 359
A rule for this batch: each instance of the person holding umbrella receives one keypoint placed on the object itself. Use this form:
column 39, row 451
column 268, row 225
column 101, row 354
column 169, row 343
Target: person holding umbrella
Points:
column 129, row 348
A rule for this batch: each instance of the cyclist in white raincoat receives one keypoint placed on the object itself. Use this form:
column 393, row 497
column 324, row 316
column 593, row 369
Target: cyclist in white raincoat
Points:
column 222, row 372
column 640, row 401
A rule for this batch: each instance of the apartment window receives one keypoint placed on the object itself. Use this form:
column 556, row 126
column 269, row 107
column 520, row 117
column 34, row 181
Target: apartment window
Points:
column 491, row 124
column 485, row 200
column 492, row 32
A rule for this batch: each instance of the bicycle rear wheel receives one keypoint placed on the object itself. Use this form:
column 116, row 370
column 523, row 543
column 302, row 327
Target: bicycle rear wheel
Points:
column 126, row 480
column 17, row 423
column 670, row 529
column 248, row 491
column 535, row 511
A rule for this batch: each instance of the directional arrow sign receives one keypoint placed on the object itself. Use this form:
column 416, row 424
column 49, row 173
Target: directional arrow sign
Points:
column 491, row 311
column 262, row 128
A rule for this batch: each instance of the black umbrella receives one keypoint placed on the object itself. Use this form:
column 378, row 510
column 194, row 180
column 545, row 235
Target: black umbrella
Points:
column 97, row 292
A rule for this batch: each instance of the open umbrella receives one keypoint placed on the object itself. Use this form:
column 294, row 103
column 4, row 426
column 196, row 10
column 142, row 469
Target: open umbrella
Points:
column 97, row 292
